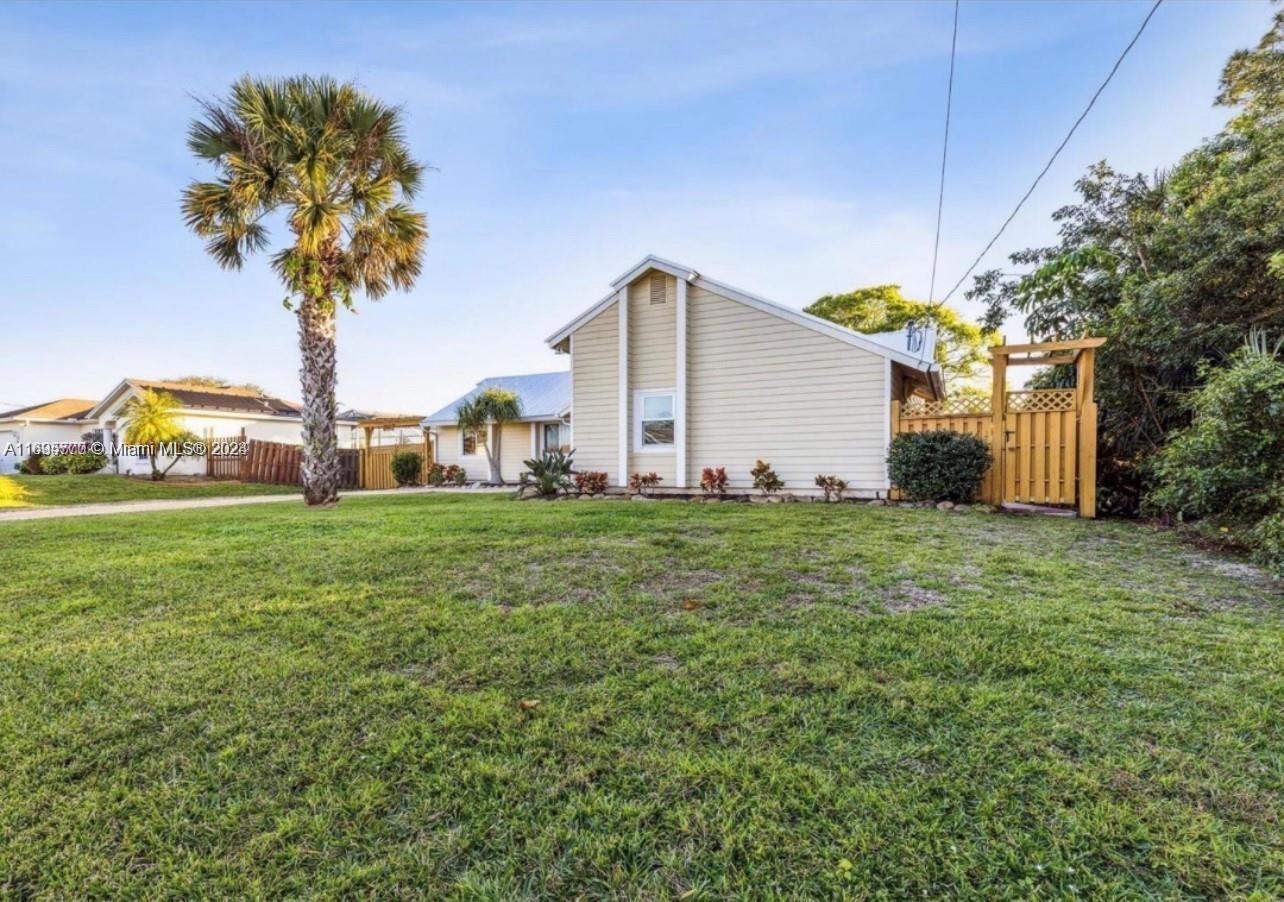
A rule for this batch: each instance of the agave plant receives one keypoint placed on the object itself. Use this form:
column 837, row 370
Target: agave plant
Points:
column 334, row 162
column 550, row 473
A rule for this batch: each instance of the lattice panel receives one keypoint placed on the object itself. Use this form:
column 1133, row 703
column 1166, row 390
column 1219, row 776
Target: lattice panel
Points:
column 1041, row 400
column 950, row 407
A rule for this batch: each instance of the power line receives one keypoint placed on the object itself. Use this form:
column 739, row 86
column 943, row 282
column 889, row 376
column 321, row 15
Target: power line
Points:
column 1057, row 152
column 945, row 150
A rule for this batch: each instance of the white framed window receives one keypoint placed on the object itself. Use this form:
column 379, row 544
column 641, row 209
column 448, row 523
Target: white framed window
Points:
column 471, row 442
column 653, row 412
column 552, row 436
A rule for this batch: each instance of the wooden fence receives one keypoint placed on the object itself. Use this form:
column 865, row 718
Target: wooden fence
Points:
column 277, row 463
column 376, row 463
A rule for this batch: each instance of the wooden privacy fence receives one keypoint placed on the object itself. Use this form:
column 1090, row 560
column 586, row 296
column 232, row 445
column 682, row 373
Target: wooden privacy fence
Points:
column 376, row 460
column 1043, row 441
column 278, row 463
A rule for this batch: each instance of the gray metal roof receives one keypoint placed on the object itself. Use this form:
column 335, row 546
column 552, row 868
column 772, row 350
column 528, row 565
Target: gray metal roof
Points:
column 545, row 396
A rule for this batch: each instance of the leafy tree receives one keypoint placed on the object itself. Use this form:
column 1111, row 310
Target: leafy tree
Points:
column 334, row 162
column 213, row 382
column 962, row 348
column 1174, row 269
column 152, row 423
column 490, row 407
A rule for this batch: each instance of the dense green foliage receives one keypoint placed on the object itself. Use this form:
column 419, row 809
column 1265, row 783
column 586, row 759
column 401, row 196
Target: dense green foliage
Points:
column 273, row 701
column 1227, row 466
column 74, row 463
column 938, row 466
column 962, row 348
column 550, row 473
column 32, row 464
column 1174, row 269
column 407, row 466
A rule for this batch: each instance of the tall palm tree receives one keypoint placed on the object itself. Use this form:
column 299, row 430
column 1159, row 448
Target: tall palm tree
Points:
column 492, row 407
column 152, row 419
column 334, row 162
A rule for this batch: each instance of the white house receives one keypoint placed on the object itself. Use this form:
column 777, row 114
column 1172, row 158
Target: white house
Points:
column 59, row 422
column 672, row 371
column 208, row 413
column 544, row 425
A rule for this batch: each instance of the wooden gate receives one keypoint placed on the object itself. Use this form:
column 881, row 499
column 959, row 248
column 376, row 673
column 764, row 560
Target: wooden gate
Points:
column 1040, row 444
column 1043, row 441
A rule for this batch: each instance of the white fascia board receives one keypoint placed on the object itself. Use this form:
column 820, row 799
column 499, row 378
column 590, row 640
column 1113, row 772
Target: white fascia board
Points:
column 651, row 261
column 99, row 408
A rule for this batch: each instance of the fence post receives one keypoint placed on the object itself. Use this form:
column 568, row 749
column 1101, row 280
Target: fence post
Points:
column 1084, row 376
column 998, row 412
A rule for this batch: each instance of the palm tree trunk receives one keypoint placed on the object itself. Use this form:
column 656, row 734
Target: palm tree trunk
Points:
column 496, row 477
column 317, row 328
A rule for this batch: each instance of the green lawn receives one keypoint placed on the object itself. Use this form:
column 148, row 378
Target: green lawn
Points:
column 775, row 700
column 51, row 491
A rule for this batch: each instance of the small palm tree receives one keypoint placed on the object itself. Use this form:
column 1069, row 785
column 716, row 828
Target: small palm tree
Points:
column 492, row 407
column 153, row 422
column 334, row 161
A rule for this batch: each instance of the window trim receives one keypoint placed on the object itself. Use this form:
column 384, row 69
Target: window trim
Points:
column 477, row 446
column 638, row 397
column 543, row 435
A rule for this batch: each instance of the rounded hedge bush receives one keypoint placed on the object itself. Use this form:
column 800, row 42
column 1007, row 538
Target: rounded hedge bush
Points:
column 406, row 467
column 938, row 466
column 75, row 463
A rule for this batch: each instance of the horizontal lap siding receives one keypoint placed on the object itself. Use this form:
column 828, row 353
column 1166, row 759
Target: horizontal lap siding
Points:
column 514, row 450
column 761, row 387
column 652, row 363
column 595, row 380
column 447, row 453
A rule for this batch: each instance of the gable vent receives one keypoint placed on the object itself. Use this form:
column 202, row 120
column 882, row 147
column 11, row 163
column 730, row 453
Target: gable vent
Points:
column 658, row 288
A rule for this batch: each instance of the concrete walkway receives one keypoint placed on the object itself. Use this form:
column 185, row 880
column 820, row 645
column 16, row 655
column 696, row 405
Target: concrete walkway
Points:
column 178, row 504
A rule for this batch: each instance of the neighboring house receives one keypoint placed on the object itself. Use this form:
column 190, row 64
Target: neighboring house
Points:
column 208, row 413
column 673, row 372
column 546, row 401
column 54, row 422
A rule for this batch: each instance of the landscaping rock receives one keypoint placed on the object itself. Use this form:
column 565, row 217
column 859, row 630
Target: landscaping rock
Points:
column 962, row 507
column 878, row 502
column 945, row 506
column 640, row 498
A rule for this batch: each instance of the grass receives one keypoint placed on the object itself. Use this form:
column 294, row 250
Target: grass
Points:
column 449, row 696
column 52, row 491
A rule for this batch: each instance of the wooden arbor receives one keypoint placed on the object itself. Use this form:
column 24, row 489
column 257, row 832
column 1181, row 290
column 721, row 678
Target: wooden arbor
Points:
column 376, row 461
column 1045, row 441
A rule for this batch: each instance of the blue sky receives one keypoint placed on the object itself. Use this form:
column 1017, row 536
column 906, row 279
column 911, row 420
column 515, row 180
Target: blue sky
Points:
column 789, row 149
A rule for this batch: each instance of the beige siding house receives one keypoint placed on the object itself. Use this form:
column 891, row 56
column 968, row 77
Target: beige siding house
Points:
column 546, row 401
column 673, row 372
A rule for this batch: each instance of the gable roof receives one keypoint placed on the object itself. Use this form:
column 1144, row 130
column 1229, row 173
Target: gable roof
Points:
column 61, row 409
column 544, row 396
column 882, row 344
column 202, row 397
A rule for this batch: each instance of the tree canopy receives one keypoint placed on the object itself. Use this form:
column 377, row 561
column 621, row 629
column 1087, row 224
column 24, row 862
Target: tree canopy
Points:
column 1174, row 268
column 962, row 348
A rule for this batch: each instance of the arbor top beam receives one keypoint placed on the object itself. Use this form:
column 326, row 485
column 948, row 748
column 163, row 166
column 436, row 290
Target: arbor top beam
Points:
column 1046, row 347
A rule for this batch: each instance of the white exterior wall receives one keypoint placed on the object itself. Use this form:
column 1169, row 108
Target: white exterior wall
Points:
column 514, row 448
column 595, row 390
column 19, row 432
column 757, row 386
column 761, row 387
column 652, row 366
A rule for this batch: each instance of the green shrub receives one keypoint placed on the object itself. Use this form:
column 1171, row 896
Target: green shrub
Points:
column 33, row 465
column 406, row 467
column 436, row 474
column 765, row 478
column 593, row 482
column 938, row 466
column 75, row 463
column 549, row 473
column 1227, row 465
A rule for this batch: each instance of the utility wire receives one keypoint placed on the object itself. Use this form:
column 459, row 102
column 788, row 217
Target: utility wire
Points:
column 1057, row 152
column 945, row 150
